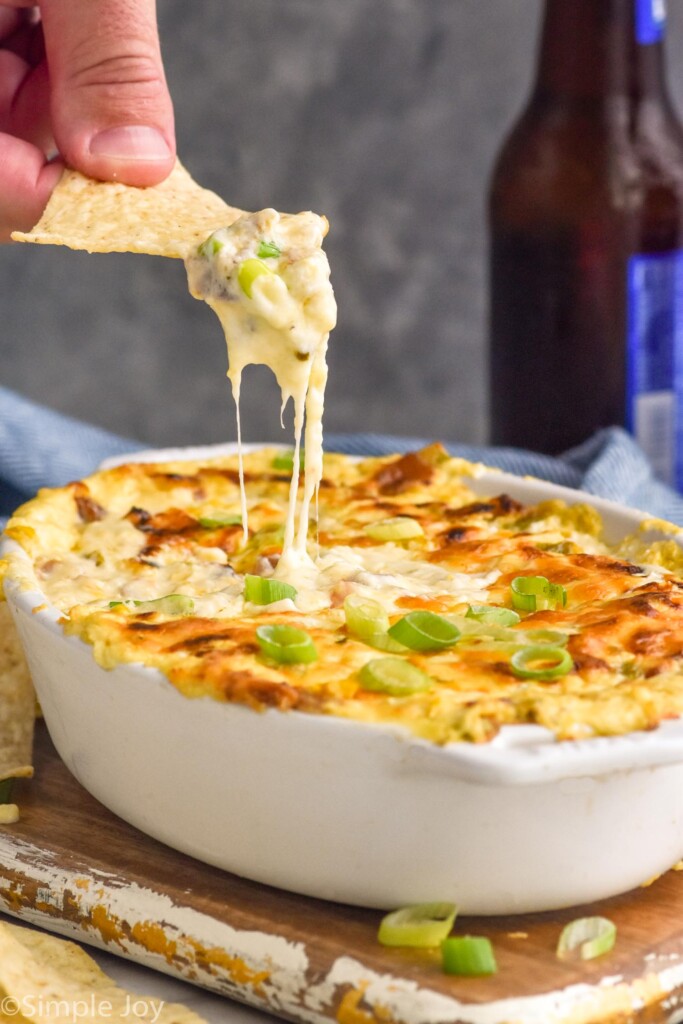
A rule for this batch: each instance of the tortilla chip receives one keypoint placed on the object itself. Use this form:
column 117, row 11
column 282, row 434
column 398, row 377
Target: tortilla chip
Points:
column 50, row 976
column 105, row 216
column 9, row 814
column 17, row 703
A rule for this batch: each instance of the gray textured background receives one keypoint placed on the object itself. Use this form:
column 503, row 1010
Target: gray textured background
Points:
column 383, row 114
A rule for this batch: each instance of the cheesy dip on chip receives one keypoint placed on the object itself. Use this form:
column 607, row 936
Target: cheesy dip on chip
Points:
column 265, row 275
column 422, row 604
column 268, row 280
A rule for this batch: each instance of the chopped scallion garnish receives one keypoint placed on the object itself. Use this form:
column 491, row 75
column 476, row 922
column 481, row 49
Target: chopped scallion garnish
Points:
column 259, row 590
column 473, row 629
column 268, row 250
column 383, row 642
column 546, row 636
column 249, row 271
column 267, row 536
column 364, row 617
column 424, row 631
column 6, row 786
column 394, row 676
column 171, row 604
column 468, row 956
column 368, row 621
column 287, row 645
column 424, row 925
column 285, row 460
column 542, row 661
column 491, row 614
column 557, row 596
column 210, row 246
column 219, row 519
column 536, row 593
column 586, row 938
column 397, row 528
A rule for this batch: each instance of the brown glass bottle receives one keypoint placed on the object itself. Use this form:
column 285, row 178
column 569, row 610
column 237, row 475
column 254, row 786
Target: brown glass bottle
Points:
column 586, row 204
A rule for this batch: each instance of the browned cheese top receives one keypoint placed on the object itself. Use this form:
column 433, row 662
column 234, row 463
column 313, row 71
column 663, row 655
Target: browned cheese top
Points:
column 147, row 563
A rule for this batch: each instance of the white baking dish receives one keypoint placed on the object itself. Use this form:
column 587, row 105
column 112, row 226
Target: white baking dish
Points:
column 361, row 813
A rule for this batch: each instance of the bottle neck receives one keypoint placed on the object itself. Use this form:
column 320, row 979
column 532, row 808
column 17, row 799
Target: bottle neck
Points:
column 592, row 49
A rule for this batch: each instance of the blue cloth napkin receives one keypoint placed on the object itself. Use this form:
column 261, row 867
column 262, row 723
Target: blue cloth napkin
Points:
column 39, row 448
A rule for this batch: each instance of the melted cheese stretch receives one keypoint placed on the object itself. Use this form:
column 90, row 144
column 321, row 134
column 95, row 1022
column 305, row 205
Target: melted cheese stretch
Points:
column 280, row 316
column 143, row 532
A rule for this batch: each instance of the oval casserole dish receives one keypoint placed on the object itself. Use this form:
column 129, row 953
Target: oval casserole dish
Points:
column 356, row 812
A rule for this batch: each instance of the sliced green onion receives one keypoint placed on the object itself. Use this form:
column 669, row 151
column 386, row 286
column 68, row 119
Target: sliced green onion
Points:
column 267, row 250
column 267, row 536
column 468, row 955
column 364, row 617
column 172, row 604
column 368, row 621
column 210, row 246
column 586, row 938
column 397, row 528
column 527, row 590
column 557, row 596
column 472, row 629
column 383, row 642
column 259, row 590
column 287, row 645
column 424, row 925
column 541, row 662
column 248, row 272
column 218, row 519
column 545, row 636
column 533, row 593
column 6, row 786
column 285, row 460
column 492, row 614
column 424, row 631
column 394, row 676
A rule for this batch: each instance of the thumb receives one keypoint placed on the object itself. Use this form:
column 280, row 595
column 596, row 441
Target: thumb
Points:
column 111, row 111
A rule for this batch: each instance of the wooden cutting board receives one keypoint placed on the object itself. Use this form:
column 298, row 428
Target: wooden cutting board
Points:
column 73, row 868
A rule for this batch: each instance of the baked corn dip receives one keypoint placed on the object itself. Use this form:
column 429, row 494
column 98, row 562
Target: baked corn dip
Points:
column 418, row 603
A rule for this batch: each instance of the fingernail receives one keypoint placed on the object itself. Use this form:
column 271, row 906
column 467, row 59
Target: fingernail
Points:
column 130, row 142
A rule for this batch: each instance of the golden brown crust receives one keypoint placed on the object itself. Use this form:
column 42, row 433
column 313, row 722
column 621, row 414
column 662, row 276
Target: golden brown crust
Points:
column 143, row 526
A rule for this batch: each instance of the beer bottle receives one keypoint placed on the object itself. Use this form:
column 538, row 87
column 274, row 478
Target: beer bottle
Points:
column 586, row 236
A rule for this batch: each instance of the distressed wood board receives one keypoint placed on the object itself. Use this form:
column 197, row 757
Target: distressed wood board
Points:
column 73, row 868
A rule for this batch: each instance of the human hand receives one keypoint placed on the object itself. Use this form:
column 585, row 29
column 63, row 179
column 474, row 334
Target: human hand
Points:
column 82, row 79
